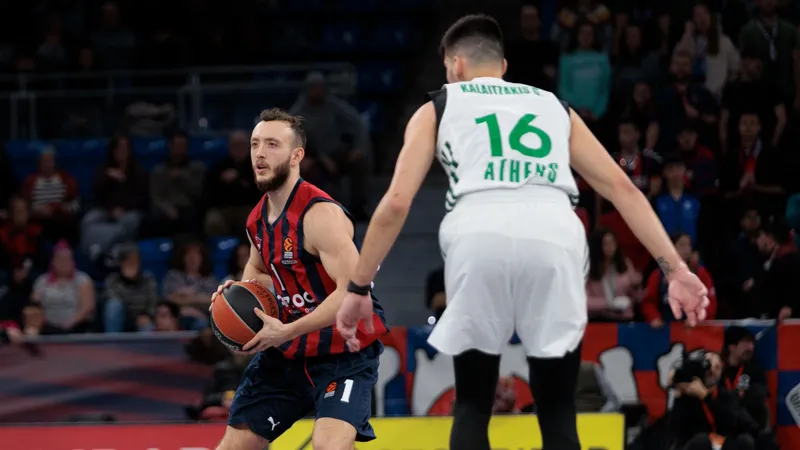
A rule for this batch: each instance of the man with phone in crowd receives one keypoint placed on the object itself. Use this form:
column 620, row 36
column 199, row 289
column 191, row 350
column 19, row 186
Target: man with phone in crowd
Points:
column 704, row 415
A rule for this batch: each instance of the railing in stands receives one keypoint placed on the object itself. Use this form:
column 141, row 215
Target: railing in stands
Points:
column 97, row 103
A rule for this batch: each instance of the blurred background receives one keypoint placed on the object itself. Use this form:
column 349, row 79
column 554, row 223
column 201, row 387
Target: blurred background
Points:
column 125, row 181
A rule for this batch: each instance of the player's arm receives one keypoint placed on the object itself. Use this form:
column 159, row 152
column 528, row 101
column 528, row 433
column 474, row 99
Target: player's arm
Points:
column 255, row 268
column 591, row 160
column 412, row 166
column 328, row 232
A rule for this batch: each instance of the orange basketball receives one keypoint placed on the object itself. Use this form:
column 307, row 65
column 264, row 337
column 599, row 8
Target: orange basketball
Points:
column 232, row 317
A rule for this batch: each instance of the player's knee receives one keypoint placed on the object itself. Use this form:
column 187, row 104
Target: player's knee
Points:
column 333, row 434
column 240, row 437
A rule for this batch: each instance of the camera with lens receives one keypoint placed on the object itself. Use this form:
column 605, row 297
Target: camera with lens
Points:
column 694, row 365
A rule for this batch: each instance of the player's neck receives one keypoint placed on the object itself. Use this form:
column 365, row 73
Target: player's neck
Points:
column 483, row 72
column 276, row 200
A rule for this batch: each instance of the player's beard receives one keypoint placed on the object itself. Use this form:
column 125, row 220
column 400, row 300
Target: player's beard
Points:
column 279, row 176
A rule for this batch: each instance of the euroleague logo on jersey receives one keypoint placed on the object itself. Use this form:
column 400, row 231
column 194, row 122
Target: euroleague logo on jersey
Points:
column 288, row 251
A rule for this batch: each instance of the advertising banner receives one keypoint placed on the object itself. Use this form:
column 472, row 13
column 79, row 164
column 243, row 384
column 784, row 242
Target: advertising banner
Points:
column 597, row 431
column 153, row 379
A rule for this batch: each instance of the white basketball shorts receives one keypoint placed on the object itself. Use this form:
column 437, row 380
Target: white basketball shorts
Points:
column 513, row 263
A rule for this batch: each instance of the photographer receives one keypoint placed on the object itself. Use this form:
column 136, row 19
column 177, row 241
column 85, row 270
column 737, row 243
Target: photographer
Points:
column 705, row 416
column 743, row 377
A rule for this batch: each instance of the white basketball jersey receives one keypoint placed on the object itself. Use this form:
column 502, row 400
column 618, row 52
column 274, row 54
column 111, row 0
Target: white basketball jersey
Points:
column 499, row 135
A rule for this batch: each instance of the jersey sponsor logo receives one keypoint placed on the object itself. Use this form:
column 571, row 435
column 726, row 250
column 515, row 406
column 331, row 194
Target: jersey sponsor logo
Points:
column 298, row 303
column 288, row 252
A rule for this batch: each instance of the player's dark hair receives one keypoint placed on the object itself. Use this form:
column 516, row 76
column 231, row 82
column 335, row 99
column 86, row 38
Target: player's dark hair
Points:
column 294, row 122
column 477, row 36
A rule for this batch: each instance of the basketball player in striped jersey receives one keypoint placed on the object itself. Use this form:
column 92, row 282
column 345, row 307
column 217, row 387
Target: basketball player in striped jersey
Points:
column 302, row 244
column 515, row 251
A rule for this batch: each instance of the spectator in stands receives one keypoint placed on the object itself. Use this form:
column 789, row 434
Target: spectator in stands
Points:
column 230, row 190
column 35, row 323
column 218, row 395
column 614, row 285
column 8, row 185
column 742, row 374
column 130, row 292
column 716, row 60
column 634, row 62
column 24, row 250
column 176, row 188
column 238, row 260
column 677, row 208
column 338, row 139
column 53, row 196
column 575, row 12
column 743, row 262
column 775, row 287
column 51, row 54
column 11, row 304
column 701, row 166
column 642, row 167
column 684, row 100
column 777, row 44
column 435, row 298
column 754, row 173
column 190, row 284
column 120, row 197
column 531, row 59
column 641, row 109
column 65, row 293
column 752, row 93
column 666, row 36
column 655, row 308
column 167, row 318
column 113, row 44
column 584, row 75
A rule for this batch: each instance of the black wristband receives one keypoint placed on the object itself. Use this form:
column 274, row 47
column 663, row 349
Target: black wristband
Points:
column 356, row 289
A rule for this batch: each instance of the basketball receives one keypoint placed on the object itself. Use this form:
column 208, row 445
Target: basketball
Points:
column 232, row 317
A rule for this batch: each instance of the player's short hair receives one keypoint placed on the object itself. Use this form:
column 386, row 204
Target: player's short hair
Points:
column 294, row 122
column 477, row 36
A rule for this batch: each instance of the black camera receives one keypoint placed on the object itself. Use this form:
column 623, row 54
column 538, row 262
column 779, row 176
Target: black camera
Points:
column 691, row 366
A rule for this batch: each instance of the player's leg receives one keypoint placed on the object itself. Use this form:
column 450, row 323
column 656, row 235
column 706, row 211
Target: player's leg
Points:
column 343, row 397
column 475, row 327
column 550, row 320
column 266, row 404
column 476, row 382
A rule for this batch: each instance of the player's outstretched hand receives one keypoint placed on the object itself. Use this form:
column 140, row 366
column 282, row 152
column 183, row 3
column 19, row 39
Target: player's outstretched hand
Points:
column 353, row 309
column 687, row 295
column 220, row 288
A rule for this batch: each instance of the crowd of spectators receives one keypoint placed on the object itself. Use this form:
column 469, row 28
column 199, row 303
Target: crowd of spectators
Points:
column 700, row 106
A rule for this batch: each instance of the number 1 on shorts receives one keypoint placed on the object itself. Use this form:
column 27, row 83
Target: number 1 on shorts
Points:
column 348, row 388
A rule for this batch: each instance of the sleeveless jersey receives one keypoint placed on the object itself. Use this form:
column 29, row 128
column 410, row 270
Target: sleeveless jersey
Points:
column 299, row 278
column 493, row 134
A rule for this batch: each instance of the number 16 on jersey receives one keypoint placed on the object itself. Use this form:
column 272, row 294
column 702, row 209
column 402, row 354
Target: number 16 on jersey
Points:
column 528, row 161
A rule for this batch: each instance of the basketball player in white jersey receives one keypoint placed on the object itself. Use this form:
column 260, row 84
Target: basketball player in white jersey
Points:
column 515, row 251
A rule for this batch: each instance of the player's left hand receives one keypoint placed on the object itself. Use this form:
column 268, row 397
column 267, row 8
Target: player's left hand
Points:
column 353, row 309
column 272, row 334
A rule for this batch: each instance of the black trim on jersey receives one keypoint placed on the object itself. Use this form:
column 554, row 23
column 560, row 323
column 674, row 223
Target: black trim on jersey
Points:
column 564, row 104
column 439, row 99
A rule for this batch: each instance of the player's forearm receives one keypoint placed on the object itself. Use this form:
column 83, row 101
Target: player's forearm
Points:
column 252, row 272
column 323, row 316
column 382, row 232
column 642, row 220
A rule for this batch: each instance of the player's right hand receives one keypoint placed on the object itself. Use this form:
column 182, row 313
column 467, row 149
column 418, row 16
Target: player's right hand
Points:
column 220, row 288
column 687, row 295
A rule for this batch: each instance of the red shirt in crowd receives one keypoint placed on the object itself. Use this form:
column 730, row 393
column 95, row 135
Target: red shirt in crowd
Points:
column 655, row 292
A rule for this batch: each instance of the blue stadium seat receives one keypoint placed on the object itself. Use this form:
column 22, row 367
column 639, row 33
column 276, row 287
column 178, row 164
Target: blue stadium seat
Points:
column 24, row 156
column 221, row 249
column 149, row 151
column 208, row 150
column 379, row 77
column 372, row 112
column 341, row 37
column 391, row 36
column 156, row 256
